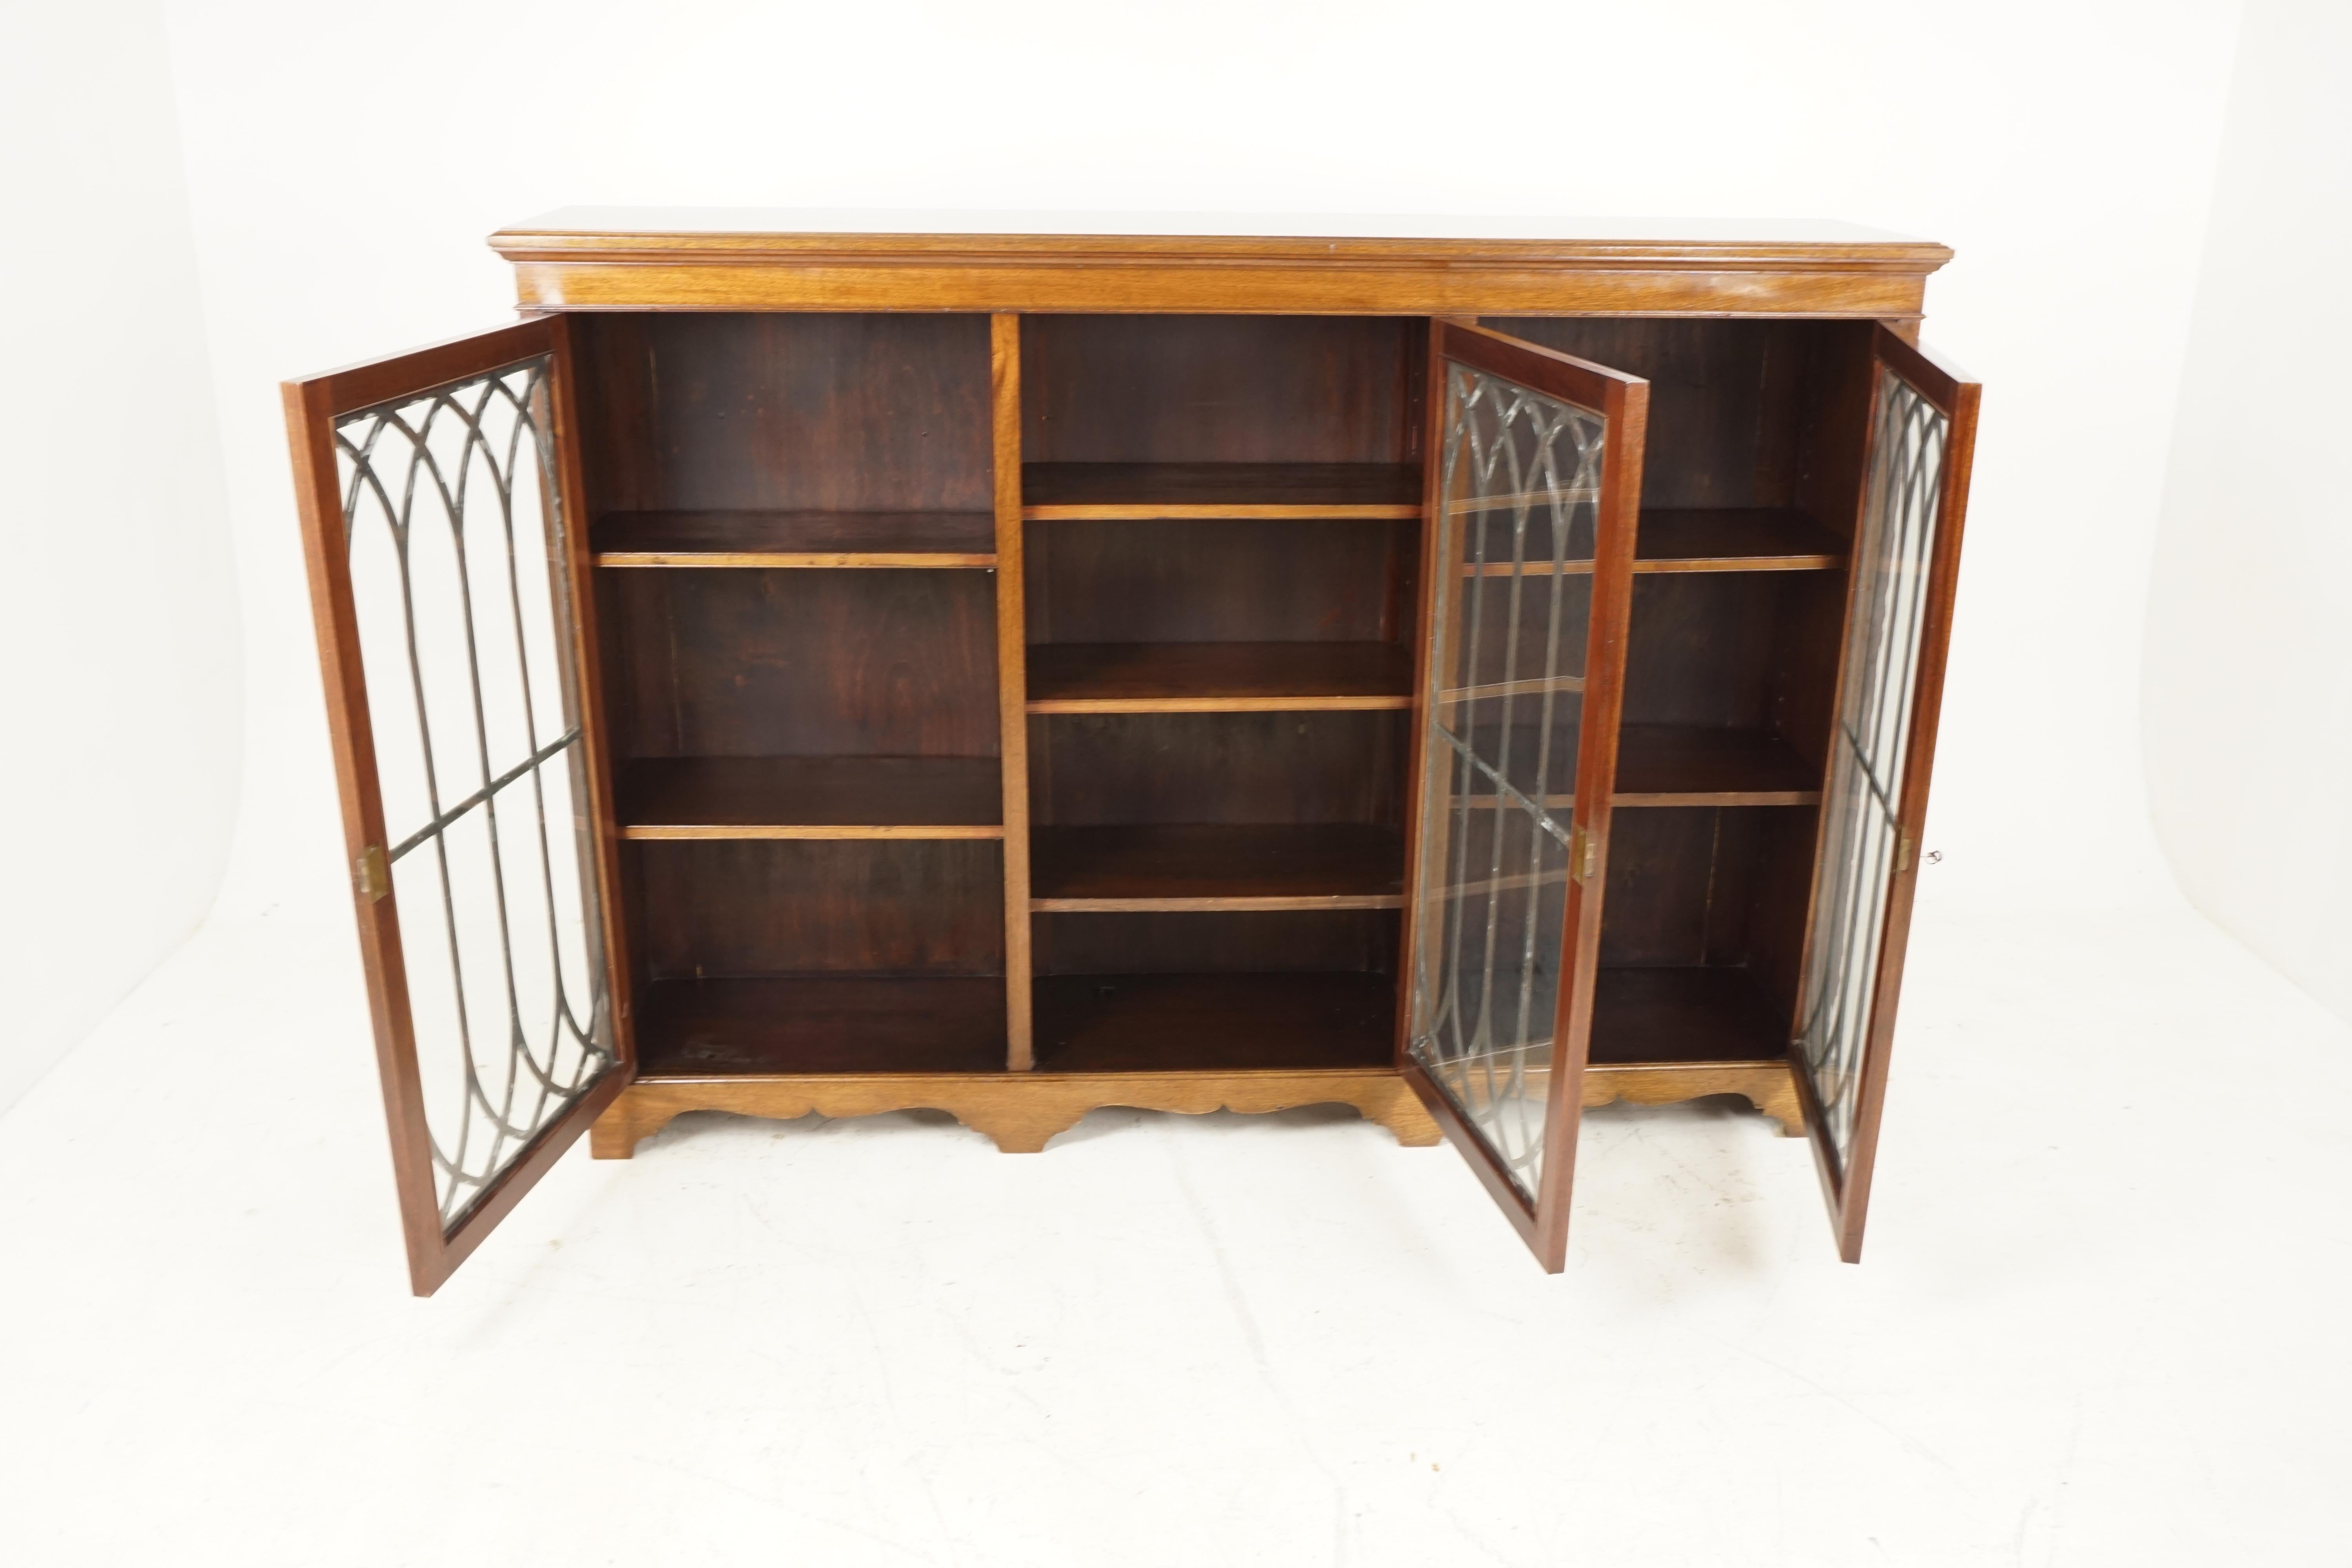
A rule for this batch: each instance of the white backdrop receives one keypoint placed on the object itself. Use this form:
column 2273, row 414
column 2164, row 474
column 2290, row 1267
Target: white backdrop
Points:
column 120, row 687
column 344, row 170
column 2249, row 675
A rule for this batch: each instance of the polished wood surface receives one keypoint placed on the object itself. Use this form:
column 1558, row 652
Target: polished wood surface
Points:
column 1011, row 676
column 311, row 408
column 1686, row 1014
column 1202, row 866
column 822, row 1024
column 1770, row 1086
column 1217, row 677
column 1081, row 491
column 1695, row 765
column 1020, row 1113
column 1624, row 403
column 1239, row 767
column 811, row 797
column 1950, row 390
column 1159, row 1023
column 1247, row 580
column 681, row 259
column 796, row 539
column 761, row 908
column 801, row 663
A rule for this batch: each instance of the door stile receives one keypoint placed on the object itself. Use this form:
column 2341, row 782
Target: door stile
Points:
column 585, row 697
column 1413, row 964
column 1626, row 406
column 313, row 408
column 1622, row 401
column 1011, row 683
column 1846, row 1182
column 309, row 420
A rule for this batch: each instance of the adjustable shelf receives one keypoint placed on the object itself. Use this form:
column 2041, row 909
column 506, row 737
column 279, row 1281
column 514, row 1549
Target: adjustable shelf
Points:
column 822, row 1023
column 1696, row 539
column 811, row 797
column 1689, row 764
column 1218, row 678
column 796, row 539
column 1052, row 492
column 1214, row 1022
column 1201, row 867
column 1684, row 1013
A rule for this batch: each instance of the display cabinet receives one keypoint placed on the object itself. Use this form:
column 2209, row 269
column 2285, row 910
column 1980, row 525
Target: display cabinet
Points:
column 804, row 667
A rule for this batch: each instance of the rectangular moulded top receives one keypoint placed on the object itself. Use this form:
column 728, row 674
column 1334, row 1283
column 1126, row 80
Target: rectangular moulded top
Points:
column 719, row 259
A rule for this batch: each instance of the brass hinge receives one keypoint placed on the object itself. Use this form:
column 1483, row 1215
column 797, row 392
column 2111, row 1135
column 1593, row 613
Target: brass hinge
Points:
column 1583, row 854
column 1903, row 848
column 372, row 873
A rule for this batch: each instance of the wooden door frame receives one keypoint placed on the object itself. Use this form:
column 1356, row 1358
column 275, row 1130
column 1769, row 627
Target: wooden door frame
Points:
column 312, row 406
column 1624, row 403
column 1845, row 1185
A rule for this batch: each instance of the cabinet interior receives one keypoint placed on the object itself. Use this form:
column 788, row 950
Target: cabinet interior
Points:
column 797, row 610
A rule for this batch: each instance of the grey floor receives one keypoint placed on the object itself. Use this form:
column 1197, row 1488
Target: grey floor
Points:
column 2103, row 1318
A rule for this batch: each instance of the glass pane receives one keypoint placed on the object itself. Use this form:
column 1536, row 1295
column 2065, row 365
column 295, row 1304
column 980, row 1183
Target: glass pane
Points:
column 457, row 548
column 1859, row 813
column 1521, row 486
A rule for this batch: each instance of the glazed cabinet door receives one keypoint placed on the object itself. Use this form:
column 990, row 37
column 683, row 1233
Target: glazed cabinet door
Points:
column 1534, row 480
column 448, row 582
column 1905, row 560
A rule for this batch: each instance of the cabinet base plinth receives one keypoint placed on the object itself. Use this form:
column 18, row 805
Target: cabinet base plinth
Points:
column 1770, row 1086
column 1020, row 1111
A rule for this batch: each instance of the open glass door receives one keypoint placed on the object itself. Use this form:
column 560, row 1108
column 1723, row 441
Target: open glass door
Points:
column 1906, row 552
column 448, row 582
column 1533, row 491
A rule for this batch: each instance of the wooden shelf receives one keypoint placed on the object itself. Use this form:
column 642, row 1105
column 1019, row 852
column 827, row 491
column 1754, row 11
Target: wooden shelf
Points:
column 796, row 539
column 1198, row 866
column 1684, row 1014
column 811, row 797
column 828, row 1024
column 1079, row 490
column 1734, row 539
column 1214, row 1023
column 1702, row 539
column 1688, row 765
column 1218, row 678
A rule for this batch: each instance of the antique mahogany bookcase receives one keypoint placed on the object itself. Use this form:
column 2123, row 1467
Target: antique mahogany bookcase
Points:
column 1466, row 676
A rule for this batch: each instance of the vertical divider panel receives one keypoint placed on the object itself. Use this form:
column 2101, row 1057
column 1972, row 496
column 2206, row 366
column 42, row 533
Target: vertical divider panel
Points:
column 1416, row 964
column 1011, row 681
column 585, row 691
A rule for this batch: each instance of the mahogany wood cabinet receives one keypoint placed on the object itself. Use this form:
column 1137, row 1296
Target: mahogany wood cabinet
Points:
column 1468, row 677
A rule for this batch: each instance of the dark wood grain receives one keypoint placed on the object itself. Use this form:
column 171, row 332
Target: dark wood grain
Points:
column 1164, row 1023
column 823, row 1024
column 804, row 663
column 738, row 909
column 1147, row 678
column 1684, row 1014
column 1218, row 866
column 1011, row 675
column 1690, row 764
column 1077, row 491
column 1217, row 767
column 796, row 539
column 1150, row 388
column 844, row 412
column 1735, row 539
column 1239, row 580
column 1196, row 942
column 718, row 796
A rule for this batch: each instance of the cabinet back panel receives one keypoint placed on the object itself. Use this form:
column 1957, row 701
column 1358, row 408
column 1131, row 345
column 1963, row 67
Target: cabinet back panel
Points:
column 737, row 909
column 1090, row 768
column 1704, row 648
column 1352, row 941
column 1221, row 389
column 785, row 412
column 783, row 663
column 1726, row 399
column 1834, row 431
column 1718, row 886
column 1217, row 581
